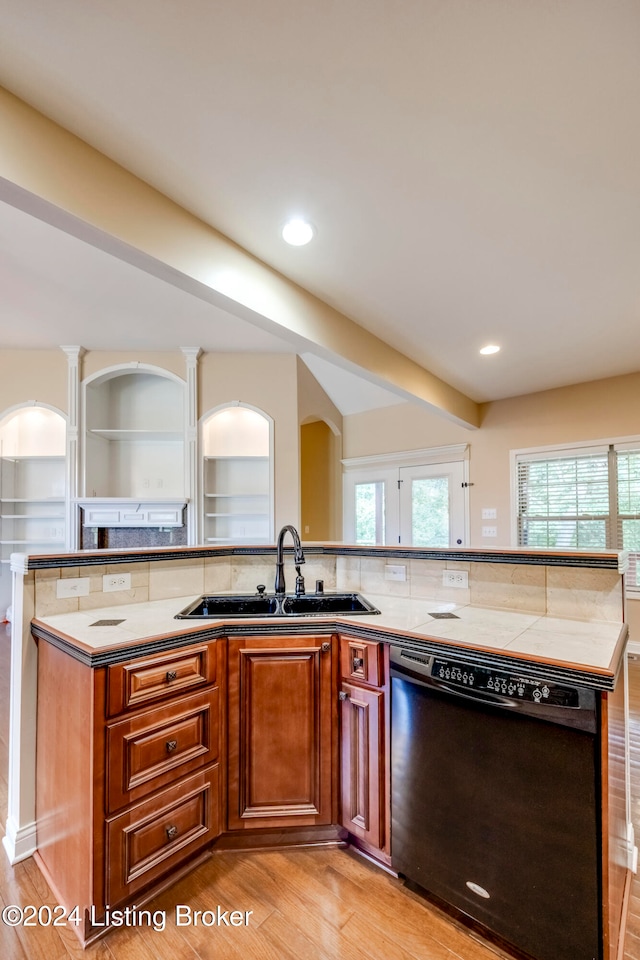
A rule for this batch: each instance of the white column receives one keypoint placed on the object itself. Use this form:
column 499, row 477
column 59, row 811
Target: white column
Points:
column 20, row 830
column 191, row 471
column 74, row 356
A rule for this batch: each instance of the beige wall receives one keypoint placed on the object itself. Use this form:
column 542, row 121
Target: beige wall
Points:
column 316, row 486
column 600, row 410
column 267, row 381
column 315, row 407
column 28, row 375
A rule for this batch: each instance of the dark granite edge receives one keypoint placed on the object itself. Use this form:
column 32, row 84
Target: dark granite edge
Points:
column 499, row 660
column 601, row 561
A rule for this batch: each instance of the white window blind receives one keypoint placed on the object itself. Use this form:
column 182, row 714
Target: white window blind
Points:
column 581, row 500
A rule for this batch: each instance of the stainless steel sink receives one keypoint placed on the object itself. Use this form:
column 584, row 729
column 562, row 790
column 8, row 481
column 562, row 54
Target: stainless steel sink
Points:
column 261, row 605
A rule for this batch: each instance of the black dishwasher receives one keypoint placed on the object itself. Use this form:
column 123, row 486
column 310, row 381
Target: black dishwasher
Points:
column 495, row 800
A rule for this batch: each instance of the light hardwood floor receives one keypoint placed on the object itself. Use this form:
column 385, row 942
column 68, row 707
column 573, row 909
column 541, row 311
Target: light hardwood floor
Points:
column 320, row 904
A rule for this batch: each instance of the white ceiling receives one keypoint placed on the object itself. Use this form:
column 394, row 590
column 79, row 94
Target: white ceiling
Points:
column 472, row 169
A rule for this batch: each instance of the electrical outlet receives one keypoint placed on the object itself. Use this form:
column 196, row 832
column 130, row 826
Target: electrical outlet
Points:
column 489, row 531
column 455, row 578
column 395, row 571
column 72, row 587
column 116, row 581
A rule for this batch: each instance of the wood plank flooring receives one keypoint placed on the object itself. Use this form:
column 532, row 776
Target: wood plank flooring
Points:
column 319, row 904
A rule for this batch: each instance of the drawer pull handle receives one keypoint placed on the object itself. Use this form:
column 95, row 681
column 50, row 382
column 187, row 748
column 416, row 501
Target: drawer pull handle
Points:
column 358, row 663
column 172, row 832
column 171, row 675
column 326, row 647
column 171, row 745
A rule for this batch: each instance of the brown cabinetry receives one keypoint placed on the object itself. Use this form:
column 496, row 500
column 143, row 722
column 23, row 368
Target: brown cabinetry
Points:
column 128, row 779
column 363, row 743
column 282, row 748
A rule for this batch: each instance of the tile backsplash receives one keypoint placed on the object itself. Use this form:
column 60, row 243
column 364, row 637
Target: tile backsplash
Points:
column 569, row 592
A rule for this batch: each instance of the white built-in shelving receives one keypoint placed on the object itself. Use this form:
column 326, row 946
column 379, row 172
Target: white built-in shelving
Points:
column 134, row 435
column 33, row 496
column 237, row 476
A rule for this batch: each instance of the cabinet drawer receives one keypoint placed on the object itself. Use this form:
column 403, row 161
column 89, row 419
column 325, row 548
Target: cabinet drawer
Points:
column 152, row 679
column 155, row 836
column 361, row 660
column 152, row 749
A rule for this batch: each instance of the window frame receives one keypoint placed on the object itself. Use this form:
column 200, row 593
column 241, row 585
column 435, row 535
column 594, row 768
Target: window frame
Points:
column 613, row 519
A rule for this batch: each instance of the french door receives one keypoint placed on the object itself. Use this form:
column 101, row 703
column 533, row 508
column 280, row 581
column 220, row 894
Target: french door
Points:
column 420, row 505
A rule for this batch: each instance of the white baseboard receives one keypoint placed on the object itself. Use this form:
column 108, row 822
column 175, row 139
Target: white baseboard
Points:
column 19, row 842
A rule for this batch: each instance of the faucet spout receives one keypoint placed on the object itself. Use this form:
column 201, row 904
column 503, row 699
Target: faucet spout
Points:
column 298, row 556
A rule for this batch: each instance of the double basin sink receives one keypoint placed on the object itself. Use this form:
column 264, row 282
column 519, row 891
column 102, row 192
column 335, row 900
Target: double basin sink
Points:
column 262, row 605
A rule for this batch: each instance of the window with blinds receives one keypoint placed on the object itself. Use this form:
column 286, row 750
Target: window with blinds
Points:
column 582, row 500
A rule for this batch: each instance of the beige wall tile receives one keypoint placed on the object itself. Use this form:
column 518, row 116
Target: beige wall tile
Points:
column 584, row 594
column 114, row 598
column 426, row 582
column 175, row 578
column 348, row 573
column 217, row 574
column 29, row 595
column 248, row 572
column 316, row 568
column 372, row 579
column 508, row 586
column 46, row 602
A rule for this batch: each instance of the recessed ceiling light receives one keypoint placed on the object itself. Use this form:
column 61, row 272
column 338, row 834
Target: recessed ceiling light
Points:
column 297, row 232
column 490, row 348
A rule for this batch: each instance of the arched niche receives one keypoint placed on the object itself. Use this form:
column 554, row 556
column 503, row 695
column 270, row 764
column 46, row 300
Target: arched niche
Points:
column 134, row 423
column 237, row 474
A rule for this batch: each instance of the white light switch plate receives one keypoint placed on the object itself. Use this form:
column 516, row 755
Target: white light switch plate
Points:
column 72, row 587
column 489, row 513
column 489, row 531
column 395, row 571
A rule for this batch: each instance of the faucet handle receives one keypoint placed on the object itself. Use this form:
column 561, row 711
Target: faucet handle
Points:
column 261, row 589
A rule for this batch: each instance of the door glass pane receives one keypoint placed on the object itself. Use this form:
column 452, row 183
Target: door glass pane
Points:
column 430, row 512
column 370, row 512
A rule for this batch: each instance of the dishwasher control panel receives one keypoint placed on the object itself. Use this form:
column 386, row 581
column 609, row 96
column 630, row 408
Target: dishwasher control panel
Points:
column 460, row 674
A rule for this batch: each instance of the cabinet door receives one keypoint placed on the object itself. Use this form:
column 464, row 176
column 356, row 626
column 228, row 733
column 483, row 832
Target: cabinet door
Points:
column 282, row 720
column 362, row 751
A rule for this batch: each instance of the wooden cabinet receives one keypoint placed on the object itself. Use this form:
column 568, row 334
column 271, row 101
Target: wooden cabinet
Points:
column 282, row 751
column 129, row 788
column 364, row 788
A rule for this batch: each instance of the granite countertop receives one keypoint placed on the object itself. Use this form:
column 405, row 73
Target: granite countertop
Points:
column 585, row 651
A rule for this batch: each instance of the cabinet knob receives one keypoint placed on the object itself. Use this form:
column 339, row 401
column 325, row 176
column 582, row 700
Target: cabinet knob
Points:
column 171, row 745
column 171, row 675
column 343, row 696
column 172, row 832
column 326, row 647
column 358, row 663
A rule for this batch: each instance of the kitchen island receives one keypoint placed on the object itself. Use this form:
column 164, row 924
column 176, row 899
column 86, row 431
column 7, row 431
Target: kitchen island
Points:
column 88, row 659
